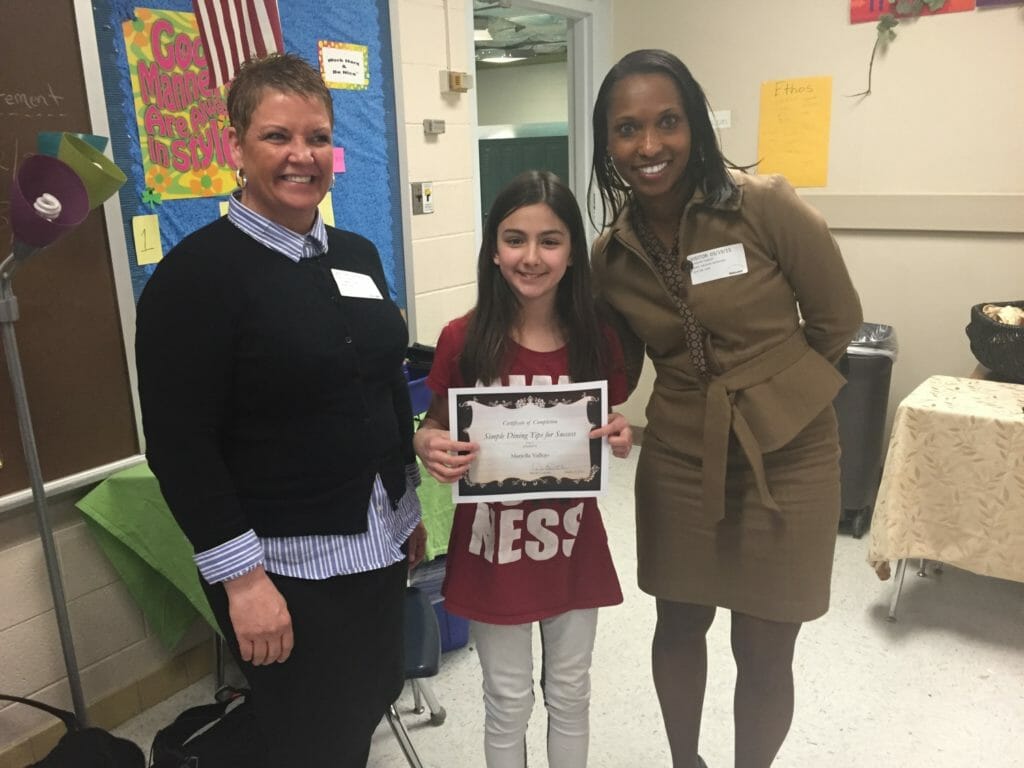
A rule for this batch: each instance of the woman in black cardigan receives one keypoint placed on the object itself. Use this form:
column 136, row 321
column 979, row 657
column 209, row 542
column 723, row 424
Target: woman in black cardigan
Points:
column 278, row 422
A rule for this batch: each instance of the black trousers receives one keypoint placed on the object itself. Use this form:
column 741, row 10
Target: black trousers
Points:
column 319, row 709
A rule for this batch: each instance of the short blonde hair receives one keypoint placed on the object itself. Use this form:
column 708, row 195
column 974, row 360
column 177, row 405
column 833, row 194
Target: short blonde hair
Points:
column 284, row 72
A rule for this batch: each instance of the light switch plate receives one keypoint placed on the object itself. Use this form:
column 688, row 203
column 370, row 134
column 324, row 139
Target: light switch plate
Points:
column 422, row 197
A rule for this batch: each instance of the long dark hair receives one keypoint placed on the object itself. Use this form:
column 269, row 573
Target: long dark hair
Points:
column 496, row 314
column 707, row 164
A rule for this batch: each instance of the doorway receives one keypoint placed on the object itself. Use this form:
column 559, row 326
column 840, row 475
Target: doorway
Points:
column 535, row 70
column 522, row 76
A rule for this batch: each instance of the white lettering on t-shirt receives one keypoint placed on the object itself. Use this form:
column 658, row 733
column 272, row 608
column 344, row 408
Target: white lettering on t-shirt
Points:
column 539, row 539
column 571, row 521
column 482, row 540
column 545, row 541
column 519, row 380
column 510, row 534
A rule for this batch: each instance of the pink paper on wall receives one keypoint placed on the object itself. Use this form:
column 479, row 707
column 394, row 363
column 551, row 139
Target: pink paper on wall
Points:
column 872, row 10
column 339, row 159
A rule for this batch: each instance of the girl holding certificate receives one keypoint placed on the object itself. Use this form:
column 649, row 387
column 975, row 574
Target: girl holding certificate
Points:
column 511, row 565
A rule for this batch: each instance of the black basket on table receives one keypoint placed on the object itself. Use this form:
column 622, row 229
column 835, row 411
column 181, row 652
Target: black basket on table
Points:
column 997, row 346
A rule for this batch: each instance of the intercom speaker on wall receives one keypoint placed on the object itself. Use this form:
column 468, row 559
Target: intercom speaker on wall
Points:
column 460, row 81
column 422, row 197
column 455, row 82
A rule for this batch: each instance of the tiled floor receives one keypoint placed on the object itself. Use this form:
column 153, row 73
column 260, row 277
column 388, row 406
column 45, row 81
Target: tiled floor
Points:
column 943, row 687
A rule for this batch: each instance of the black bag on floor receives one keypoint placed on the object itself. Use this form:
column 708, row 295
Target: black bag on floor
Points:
column 84, row 747
column 219, row 735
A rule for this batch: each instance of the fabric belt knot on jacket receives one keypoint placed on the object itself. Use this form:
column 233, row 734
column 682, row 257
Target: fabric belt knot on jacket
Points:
column 722, row 417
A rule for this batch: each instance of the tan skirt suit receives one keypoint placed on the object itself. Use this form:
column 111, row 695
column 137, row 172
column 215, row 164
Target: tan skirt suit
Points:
column 737, row 488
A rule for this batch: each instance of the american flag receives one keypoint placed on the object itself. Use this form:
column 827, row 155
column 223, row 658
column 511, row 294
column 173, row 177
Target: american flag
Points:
column 235, row 30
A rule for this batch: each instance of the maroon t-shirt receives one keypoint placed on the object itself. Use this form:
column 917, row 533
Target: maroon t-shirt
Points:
column 517, row 562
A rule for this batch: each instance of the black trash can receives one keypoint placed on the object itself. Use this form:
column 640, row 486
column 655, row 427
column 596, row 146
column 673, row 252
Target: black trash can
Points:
column 861, row 406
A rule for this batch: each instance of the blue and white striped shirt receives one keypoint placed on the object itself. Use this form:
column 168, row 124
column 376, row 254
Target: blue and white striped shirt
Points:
column 313, row 557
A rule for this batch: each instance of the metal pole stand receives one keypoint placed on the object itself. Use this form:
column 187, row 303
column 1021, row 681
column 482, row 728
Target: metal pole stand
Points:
column 8, row 316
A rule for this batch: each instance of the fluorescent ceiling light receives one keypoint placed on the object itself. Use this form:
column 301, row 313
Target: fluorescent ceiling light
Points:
column 499, row 56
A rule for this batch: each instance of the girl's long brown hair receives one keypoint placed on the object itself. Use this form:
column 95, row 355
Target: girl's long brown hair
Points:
column 497, row 308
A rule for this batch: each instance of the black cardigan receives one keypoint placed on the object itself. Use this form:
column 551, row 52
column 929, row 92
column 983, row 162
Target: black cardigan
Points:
column 269, row 401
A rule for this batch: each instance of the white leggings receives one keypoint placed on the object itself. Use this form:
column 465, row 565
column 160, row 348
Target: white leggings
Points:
column 506, row 657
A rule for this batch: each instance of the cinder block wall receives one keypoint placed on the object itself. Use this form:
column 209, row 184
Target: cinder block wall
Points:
column 443, row 243
column 124, row 668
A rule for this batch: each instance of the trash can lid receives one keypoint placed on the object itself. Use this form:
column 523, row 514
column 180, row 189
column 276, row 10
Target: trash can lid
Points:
column 874, row 339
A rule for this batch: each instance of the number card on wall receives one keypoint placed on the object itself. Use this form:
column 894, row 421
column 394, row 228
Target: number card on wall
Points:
column 344, row 65
column 146, row 231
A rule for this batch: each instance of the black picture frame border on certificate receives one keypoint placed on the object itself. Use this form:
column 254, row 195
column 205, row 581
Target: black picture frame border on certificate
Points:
column 545, row 396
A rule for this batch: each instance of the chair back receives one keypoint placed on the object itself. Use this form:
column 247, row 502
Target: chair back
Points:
column 422, row 636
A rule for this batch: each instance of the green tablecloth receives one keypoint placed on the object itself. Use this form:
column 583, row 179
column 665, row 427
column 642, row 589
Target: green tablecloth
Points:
column 133, row 526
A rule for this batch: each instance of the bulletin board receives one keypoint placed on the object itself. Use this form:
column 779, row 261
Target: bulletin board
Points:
column 70, row 337
column 365, row 198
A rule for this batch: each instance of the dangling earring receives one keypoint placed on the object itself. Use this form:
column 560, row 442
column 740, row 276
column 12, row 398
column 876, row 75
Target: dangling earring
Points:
column 613, row 172
column 240, row 178
column 334, row 178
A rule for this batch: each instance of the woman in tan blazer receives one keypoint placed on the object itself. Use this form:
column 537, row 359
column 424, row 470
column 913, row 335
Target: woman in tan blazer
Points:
column 737, row 292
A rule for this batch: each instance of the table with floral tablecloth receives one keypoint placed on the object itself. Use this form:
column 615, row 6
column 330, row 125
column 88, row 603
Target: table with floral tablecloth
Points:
column 953, row 485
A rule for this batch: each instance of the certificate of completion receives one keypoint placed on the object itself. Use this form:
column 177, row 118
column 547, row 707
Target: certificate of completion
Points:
column 534, row 441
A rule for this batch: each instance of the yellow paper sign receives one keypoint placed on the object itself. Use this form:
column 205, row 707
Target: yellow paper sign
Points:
column 223, row 207
column 327, row 209
column 794, row 130
column 146, row 230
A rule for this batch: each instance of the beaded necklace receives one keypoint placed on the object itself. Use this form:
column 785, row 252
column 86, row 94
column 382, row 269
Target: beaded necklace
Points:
column 667, row 263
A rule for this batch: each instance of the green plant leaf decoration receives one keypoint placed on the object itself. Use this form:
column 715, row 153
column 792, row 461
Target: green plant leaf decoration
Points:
column 886, row 30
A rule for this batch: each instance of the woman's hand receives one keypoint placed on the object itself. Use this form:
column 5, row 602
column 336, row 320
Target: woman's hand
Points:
column 259, row 615
column 417, row 545
column 445, row 459
column 620, row 435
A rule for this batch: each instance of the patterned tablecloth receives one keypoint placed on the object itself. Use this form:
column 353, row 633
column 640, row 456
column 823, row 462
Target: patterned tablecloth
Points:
column 953, row 485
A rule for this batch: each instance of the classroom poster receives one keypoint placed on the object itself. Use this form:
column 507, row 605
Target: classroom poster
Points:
column 344, row 65
column 794, row 129
column 872, row 10
column 181, row 115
